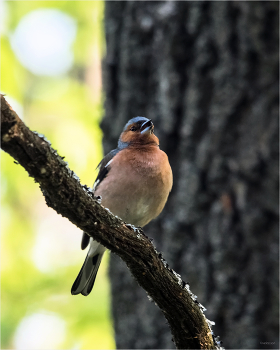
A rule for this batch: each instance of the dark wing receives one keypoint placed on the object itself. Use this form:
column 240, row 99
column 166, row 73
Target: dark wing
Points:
column 104, row 167
column 85, row 241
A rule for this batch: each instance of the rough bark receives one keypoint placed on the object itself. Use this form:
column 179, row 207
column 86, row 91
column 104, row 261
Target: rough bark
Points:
column 64, row 193
column 206, row 73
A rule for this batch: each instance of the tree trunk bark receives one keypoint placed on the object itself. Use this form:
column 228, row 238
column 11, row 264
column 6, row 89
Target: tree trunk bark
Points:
column 206, row 73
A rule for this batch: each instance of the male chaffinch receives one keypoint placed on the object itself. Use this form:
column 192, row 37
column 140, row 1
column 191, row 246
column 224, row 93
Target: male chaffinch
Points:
column 134, row 181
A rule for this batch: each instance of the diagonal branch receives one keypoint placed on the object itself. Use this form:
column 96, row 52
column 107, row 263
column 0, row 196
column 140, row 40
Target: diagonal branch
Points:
column 64, row 193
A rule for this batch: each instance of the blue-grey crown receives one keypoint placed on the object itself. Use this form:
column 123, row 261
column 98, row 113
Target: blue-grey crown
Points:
column 135, row 120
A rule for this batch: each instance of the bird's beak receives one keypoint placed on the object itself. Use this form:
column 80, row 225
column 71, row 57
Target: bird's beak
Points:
column 147, row 127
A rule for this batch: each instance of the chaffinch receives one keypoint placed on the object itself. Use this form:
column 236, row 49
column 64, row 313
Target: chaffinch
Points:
column 134, row 181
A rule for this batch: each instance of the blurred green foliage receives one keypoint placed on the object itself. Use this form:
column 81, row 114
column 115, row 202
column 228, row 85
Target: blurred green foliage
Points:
column 67, row 109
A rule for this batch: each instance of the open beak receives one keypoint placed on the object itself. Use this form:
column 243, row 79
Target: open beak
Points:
column 147, row 127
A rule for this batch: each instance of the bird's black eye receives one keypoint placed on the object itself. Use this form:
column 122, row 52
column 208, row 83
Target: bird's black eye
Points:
column 133, row 128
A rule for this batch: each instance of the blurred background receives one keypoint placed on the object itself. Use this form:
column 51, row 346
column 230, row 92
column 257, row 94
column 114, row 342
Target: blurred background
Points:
column 207, row 74
column 51, row 74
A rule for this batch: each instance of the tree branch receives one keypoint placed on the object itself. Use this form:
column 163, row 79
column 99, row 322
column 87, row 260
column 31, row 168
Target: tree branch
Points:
column 64, row 193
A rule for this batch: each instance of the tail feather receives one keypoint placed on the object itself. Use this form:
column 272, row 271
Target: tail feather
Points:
column 86, row 277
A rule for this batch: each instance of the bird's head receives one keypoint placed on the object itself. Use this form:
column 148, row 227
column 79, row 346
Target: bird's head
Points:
column 139, row 131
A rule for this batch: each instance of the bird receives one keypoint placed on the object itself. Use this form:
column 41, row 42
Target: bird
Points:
column 133, row 182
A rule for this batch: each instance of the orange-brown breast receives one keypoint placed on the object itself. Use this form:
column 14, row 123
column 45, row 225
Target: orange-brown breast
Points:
column 137, row 185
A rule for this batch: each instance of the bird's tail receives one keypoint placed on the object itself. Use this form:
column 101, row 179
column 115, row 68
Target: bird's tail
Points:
column 86, row 277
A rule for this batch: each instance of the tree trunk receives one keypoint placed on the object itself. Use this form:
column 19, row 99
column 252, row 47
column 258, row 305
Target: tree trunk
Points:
column 206, row 73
